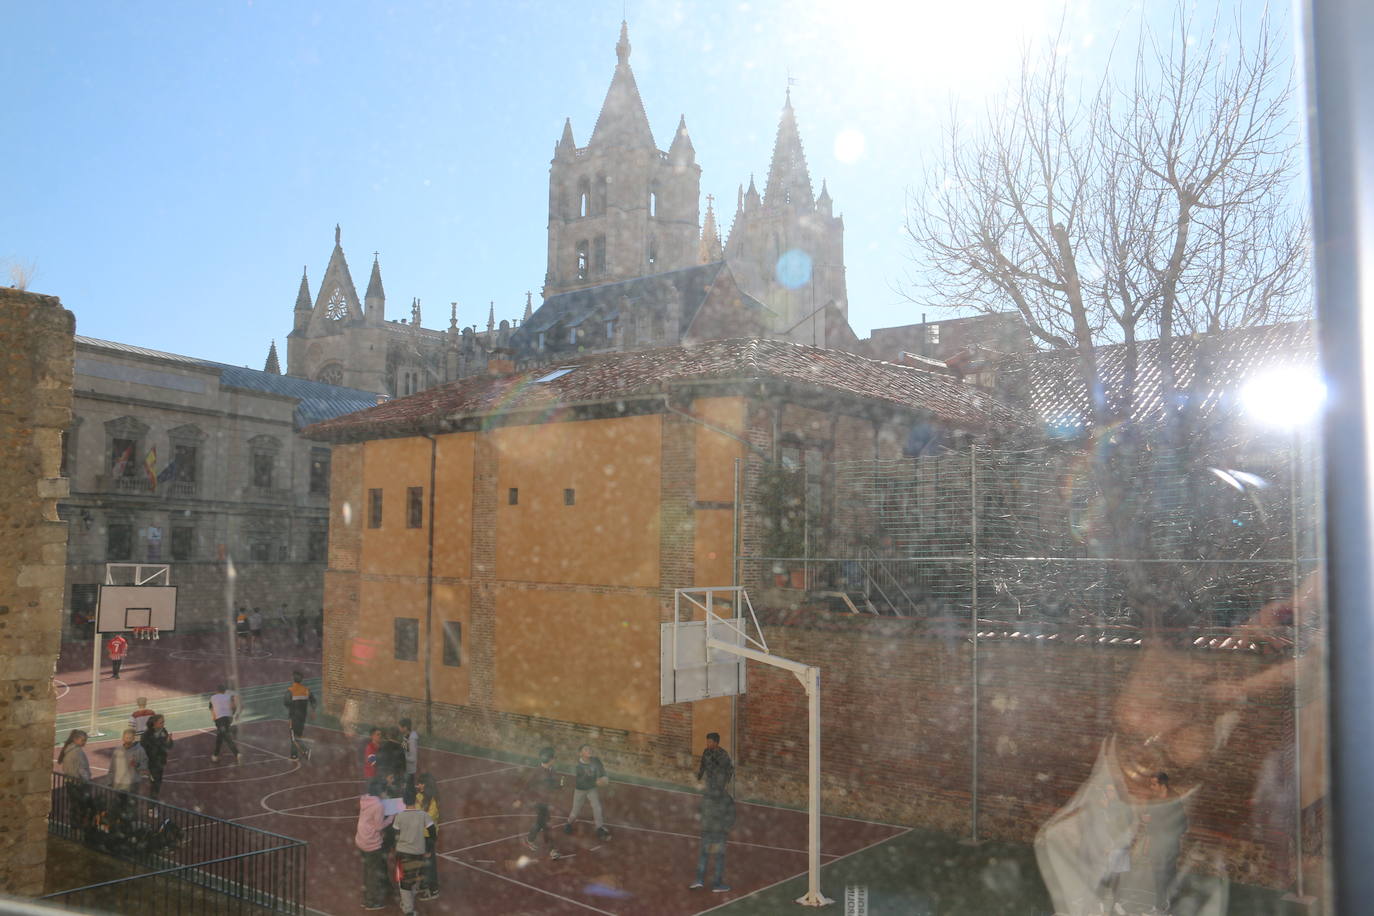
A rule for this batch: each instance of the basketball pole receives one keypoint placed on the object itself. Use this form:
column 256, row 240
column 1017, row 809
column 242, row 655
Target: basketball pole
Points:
column 810, row 678
column 94, row 729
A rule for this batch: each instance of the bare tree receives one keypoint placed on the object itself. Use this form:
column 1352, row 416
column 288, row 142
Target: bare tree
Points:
column 1157, row 206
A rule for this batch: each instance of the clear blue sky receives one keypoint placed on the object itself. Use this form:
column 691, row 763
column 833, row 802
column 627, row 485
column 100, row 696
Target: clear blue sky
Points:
column 171, row 167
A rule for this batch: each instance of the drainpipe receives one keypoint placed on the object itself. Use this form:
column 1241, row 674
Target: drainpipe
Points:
column 429, row 593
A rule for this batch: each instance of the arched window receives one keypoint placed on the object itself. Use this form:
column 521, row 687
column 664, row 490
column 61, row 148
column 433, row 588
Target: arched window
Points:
column 583, row 267
column 599, row 197
column 653, row 252
column 653, row 202
column 584, row 197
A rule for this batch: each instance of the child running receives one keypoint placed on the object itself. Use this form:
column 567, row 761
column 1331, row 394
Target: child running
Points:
column 299, row 702
column 538, row 787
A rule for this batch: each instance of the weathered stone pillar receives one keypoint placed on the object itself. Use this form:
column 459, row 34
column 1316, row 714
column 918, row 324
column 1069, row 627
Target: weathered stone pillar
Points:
column 35, row 409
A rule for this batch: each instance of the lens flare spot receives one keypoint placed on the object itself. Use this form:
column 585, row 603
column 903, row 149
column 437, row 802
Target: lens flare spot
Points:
column 346, row 510
column 849, row 146
column 794, row 268
column 1285, row 398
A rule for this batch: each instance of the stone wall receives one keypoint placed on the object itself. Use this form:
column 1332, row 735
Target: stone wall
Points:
column 35, row 407
column 914, row 733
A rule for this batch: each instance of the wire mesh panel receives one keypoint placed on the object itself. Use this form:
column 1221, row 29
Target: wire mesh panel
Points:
column 1022, row 534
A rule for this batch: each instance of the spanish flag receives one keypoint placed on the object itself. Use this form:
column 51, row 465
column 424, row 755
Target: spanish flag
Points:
column 150, row 467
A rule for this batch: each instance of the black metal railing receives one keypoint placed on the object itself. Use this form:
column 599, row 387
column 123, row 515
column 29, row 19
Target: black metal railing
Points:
column 187, row 861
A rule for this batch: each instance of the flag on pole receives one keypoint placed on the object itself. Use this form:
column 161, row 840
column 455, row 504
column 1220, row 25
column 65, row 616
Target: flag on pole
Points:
column 149, row 463
column 122, row 462
column 168, row 473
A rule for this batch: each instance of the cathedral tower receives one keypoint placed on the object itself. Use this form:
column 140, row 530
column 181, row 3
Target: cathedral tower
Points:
column 620, row 208
column 786, row 248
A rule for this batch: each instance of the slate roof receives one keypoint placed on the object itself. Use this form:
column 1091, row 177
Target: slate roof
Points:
column 1056, row 395
column 315, row 401
column 612, row 376
column 656, row 292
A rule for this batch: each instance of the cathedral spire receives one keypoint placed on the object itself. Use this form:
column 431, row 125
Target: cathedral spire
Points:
column 566, row 147
column 303, row 295
column 711, row 250
column 622, row 47
column 681, row 150
column 622, row 122
column 491, row 318
column 789, row 181
column 374, row 299
column 529, row 306
column 273, row 365
column 751, row 196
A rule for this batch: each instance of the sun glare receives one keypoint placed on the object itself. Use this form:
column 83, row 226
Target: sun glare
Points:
column 1284, row 398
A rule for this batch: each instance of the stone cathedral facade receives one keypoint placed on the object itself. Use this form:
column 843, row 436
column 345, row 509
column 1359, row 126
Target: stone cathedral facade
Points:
column 632, row 263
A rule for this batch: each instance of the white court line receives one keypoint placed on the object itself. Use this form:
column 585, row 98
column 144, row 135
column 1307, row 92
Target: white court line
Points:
column 802, row 874
column 66, row 688
column 585, row 906
column 290, row 812
column 483, row 773
column 671, row 789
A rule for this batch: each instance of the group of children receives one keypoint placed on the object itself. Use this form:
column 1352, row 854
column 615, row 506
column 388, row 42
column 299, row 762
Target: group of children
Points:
column 398, row 814
column 398, row 820
column 540, row 784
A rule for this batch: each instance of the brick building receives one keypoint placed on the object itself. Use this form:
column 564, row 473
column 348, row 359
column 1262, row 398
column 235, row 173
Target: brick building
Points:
column 460, row 587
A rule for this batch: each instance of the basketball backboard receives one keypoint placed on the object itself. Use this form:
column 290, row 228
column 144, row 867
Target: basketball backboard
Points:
column 123, row 607
column 691, row 670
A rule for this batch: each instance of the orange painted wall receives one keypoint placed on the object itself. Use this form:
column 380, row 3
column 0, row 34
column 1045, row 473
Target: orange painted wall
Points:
column 578, row 656
column 453, row 506
column 613, row 466
column 372, row 663
column 451, row 602
column 393, row 465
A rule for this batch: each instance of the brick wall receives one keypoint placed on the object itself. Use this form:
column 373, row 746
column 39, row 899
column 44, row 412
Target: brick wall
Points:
column 898, row 733
column 35, row 406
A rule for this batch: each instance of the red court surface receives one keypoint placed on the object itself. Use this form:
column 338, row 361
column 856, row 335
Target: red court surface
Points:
column 484, row 869
column 179, row 664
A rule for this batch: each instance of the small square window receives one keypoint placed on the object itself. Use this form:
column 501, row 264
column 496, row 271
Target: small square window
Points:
column 415, row 507
column 374, row 508
column 453, row 644
column 569, row 497
column 407, row 638
column 513, row 497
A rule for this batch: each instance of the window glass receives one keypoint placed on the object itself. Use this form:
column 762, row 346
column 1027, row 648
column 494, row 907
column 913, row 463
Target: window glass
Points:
column 969, row 350
column 453, row 643
column 407, row 638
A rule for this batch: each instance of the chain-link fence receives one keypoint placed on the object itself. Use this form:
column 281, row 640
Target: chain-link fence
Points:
column 1035, row 535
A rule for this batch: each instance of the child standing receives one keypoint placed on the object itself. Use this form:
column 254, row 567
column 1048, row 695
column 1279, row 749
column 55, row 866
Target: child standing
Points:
column 77, row 768
column 427, row 799
column 138, row 720
column 157, row 742
column 118, row 648
column 411, row 738
column 414, row 847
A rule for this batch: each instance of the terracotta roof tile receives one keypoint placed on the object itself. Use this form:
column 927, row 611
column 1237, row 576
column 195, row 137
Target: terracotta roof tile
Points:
column 609, row 377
